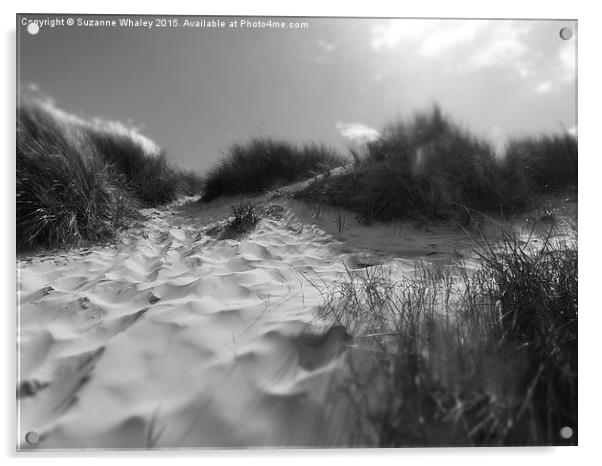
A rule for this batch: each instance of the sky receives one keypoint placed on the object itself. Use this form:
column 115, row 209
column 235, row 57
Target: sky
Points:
column 195, row 90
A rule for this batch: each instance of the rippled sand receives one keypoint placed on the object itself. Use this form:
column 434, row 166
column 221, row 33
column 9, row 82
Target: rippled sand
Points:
column 177, row 339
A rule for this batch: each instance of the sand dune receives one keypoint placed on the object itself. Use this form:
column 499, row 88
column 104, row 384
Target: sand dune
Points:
column 177, row 339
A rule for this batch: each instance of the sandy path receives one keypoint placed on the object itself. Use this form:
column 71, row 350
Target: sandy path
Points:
column 177, row 339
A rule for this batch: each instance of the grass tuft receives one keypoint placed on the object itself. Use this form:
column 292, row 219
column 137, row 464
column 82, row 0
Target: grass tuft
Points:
column 149, row 175
column 83, row 181
column 453, row 355
column 547, row 162
column 263, row 163
column 245, row 216
column 244, row 219
column 431, row 168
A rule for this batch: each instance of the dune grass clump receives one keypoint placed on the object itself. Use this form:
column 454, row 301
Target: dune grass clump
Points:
column 244, row 219
column 62, row 200
column 83, row 181
column 459, row 356
column 430, row 167
column 547, row 162
column 191, row 183
column 63, row 195
column 263, row 163
column 149, row 174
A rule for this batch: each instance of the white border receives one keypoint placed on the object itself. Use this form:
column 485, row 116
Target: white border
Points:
column 590, row 153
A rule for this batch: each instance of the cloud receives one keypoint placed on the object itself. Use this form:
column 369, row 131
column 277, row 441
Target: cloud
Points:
column 543, row 87
column 567, row 60
column 324, row 54
column 69, row 120
column 431, row 37
column 470, row 44
column 449, row 36
column 357, row 132
column 502, row 43
column 326, row 46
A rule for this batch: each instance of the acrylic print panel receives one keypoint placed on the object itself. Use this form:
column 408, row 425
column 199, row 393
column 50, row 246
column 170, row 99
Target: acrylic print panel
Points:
column 295, row 232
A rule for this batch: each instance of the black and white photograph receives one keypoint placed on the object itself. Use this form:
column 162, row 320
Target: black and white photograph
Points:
column 295, row 232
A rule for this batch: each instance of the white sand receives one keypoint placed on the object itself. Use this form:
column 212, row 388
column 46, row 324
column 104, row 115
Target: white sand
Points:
column 176, row 339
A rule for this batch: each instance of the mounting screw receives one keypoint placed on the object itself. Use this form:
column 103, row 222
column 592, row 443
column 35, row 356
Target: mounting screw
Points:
column 566, row 432
column 566, row 33
column 32, row 437
column 33, row 28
